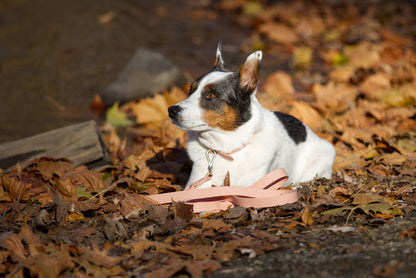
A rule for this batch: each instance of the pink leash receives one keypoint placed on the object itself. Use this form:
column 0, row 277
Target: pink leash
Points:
column 263, row 193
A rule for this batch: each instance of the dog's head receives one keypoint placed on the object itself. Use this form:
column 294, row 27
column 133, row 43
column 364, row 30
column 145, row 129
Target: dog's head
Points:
column 219, row 99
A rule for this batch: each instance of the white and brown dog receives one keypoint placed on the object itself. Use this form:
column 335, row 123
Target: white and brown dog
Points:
column 223, row 115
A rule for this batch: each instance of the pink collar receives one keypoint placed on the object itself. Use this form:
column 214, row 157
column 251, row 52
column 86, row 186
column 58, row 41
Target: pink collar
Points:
column 210, row 156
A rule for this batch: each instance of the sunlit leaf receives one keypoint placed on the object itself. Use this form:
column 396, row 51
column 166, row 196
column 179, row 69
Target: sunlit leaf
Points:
column 73, row 216
column 117, row 118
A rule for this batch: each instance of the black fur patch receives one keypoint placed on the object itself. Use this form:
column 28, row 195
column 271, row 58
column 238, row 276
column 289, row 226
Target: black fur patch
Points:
column 295, row 128
column 227, row 92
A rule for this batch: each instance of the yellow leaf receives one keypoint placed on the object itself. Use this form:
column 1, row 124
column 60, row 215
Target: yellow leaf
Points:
column 117, row 118
column 321, row 190
column 73, row 216
column 306, row 217
column 302, row 57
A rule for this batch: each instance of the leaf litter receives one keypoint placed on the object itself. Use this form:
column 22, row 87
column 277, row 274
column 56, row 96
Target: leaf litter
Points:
column 59, row 220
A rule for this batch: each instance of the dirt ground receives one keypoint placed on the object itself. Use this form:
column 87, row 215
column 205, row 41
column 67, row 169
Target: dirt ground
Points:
column 326, row 252
column 56, row 56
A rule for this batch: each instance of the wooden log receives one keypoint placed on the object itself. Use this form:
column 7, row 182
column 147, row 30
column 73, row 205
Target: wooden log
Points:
column 81, row 143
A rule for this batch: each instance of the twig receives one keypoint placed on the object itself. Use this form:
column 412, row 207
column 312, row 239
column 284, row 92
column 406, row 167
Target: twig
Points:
column 102, row 192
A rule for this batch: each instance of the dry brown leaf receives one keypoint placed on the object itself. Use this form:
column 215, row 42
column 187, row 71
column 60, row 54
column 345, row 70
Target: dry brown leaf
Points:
column 14, row 246
column 376, row 86
column 363, row 116
column 4, row 195
column 17, row 190
column 149, row 110
column 395, row 38
column 211, row 227
column 355, row 136
column 342, row 74
column 89, row 180
column 279, row 84
column 348, row 162
column 279, row 33
column 193, row 268
column 391, row 159
column 307, row 114
column 27, row 235
column 183, row 210
column 198, row 252
column 132, row 203
column 112, row 141
column 49, row 265
column 366, row 198
column 365, row 55
column 174, row 96
column 310, row 26
column 49, row 167
column 138, row 248
column 334, row 97
column 101, row 257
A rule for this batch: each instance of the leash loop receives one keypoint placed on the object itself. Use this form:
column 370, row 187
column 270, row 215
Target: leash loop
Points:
column 210, row 159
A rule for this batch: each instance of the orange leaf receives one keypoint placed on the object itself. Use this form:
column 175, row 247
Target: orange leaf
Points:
column 306, row 217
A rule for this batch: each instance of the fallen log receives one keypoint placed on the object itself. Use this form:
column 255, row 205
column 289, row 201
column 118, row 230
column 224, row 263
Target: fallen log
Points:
column 81, row 143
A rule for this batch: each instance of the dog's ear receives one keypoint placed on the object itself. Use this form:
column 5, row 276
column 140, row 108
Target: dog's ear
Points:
column 249, row 72
column 219, row 62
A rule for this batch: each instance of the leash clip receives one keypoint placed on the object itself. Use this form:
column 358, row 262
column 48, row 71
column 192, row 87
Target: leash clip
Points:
column 210, row 159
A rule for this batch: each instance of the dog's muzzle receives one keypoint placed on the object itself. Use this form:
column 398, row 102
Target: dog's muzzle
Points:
column 174, row 112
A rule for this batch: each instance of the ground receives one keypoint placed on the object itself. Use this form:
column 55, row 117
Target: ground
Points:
column 347, row 70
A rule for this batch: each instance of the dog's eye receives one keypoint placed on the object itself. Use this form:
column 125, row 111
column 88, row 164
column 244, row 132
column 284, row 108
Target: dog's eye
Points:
column 211, row 95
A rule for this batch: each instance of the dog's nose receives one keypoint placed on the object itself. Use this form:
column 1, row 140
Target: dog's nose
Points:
column 174, row 111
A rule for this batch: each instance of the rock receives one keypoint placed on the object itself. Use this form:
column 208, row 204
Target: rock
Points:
column 146, row 74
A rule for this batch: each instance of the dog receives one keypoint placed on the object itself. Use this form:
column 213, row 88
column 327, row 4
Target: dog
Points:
column 232, row 137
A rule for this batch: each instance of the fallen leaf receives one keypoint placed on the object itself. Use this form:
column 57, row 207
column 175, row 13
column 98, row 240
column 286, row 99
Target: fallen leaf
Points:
column 107, row 17
column 279, row 33
column 366, row 198
column 149, row 110
column 302, row 57
column 117, row 118
column 376, row 207
column 18, row 191
column 334, row 97
column 306, row 217
column 132, row 203
column 364, row 55
column 101, row 257
column 15, row 248
column 307, row 114
column 88, row 180
column 376, row 86
column 279, row 84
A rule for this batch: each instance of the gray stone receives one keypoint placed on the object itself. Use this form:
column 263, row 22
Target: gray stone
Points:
column 146, row 74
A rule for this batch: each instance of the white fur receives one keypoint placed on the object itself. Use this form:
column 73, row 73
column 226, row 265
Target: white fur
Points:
column 262, row 143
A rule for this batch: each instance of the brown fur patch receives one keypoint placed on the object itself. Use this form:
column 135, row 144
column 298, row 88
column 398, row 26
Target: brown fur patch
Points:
column 224, row 118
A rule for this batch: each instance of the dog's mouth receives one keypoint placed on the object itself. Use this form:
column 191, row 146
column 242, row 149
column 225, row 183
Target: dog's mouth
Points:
column 183, row 126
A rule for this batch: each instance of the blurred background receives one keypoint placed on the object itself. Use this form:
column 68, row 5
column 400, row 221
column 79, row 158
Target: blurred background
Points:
column 55, row 55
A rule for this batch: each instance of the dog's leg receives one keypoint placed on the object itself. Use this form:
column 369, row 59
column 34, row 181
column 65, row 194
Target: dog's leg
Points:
column 314, row 160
